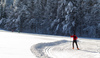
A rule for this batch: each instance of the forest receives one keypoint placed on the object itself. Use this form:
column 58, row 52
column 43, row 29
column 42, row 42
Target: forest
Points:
column 53, row 17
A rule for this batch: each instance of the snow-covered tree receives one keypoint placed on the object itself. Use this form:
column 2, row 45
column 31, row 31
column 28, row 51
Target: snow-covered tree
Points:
column 61, row 17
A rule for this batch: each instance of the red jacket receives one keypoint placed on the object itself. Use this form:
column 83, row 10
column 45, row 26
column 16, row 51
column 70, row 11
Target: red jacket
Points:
column 74, row 37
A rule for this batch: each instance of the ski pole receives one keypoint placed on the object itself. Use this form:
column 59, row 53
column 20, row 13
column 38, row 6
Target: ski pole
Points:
column 70, row 41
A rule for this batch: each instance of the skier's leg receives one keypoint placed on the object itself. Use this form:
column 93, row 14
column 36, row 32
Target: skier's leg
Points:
column 76, row 45
column 73, row 44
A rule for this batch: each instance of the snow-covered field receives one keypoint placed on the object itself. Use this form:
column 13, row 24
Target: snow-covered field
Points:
column 23, row 45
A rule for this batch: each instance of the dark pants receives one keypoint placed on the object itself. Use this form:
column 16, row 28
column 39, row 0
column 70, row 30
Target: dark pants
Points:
column 75, row 41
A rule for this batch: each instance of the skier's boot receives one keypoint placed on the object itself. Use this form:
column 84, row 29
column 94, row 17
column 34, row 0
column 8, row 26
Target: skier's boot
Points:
column 78, row 48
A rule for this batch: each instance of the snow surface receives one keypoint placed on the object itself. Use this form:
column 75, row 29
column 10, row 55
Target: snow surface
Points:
column 23, row 45
column 17, row 45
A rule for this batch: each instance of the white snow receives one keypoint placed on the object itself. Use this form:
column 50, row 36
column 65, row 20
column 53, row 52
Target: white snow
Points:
column 18, row 45
column 88, row 50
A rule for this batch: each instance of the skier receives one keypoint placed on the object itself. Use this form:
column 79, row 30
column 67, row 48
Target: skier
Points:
column 74, row 41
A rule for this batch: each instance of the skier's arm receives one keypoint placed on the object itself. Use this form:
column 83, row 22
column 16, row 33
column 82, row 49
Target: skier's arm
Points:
column 71, row 36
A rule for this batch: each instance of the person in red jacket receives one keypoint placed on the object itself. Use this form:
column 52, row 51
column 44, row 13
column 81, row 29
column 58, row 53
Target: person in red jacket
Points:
column 74, row 41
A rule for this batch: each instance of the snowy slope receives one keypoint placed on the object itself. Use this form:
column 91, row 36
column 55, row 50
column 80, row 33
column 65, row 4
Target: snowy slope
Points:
column 62, row 49
column 17, row 45
column 22, row 45
column 87, row 50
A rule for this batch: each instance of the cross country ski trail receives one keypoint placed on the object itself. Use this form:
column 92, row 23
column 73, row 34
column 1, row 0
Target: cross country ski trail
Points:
column 62, row 49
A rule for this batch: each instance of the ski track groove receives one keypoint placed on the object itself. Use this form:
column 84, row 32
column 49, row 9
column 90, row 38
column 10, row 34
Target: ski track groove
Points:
column 42, row 50
column 49, row 51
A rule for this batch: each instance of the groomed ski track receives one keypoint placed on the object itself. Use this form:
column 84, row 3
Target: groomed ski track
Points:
column 89, row 48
